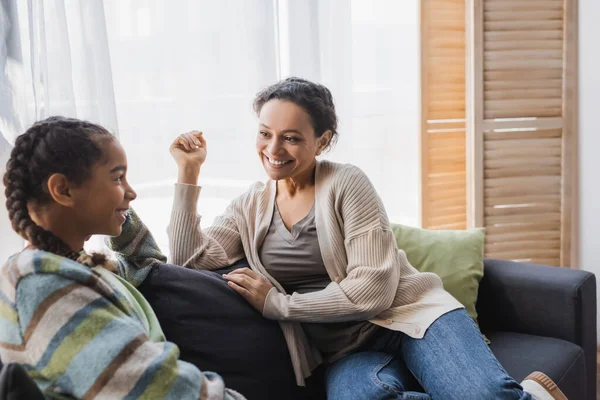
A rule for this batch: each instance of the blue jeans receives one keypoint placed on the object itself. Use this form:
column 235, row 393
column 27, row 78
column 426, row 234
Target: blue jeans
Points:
column 452, row 361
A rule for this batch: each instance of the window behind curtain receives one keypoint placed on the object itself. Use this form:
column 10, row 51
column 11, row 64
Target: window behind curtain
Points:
column 198, row 65
column 10, row 242
column 184, row 66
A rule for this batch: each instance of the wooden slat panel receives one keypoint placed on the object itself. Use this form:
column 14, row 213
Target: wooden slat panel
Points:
column 448, row 212
column 516, row 44
column 498, row 211
column 516, row 78
column 520, row 5
column 522, row 35
column 447, row 203
column 443, row 193
column 531, row 199
column 523, row 162
column 489, row 137
column 504, row 154
column 453, row 179
column 524, row 113
column 519, row 94
column 518, row 128
column 454, row 114
column 499, row 26
column 522, row 244
column 539, row 103
column 522, row 227
column 523, row 143
column 523, row 78
column 525, row 236
column 533, row 219
column 504, row 191
column 569, row 255
column 519, row 54
column 526, row 253
column 436, row 222
column 523, row 84
column 524, row 75
column 523, row 15
column 520, row 171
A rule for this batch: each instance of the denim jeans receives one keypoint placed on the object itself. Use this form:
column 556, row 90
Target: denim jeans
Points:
column 452, row 361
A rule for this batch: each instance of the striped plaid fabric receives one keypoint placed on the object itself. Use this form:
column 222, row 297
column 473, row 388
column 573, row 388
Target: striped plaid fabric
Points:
column 78, row 336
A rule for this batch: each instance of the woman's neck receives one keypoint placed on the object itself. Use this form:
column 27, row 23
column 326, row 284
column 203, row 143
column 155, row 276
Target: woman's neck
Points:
column 297, row 185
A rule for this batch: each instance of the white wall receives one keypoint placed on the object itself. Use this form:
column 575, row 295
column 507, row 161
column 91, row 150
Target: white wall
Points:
column 589, row 137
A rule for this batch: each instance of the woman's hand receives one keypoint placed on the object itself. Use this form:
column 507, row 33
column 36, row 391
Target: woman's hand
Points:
column 189, row 152
column 250, row 285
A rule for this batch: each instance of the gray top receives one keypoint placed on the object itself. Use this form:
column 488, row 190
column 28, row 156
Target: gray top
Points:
column 294, row 260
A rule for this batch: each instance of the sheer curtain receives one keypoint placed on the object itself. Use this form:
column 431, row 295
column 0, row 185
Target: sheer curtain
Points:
column 183, row 66
column 53, row 61
column 366, row 52
column 197, row 65
column 162, row 68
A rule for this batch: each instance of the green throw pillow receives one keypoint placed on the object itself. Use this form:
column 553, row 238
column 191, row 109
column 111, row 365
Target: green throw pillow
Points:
column 455, row 256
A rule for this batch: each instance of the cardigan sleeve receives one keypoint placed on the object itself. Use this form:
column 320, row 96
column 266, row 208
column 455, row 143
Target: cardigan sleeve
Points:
column 218, row 246
column 373, row 268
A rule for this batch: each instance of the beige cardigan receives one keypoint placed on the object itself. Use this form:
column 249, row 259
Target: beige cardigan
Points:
column 371, row 278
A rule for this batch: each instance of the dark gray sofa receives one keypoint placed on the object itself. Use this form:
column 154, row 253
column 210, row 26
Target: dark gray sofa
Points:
column 542, row 318
column 537, row 318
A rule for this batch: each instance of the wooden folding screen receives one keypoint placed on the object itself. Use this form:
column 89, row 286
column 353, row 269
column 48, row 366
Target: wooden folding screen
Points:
column 520, row 115
column 443, row 189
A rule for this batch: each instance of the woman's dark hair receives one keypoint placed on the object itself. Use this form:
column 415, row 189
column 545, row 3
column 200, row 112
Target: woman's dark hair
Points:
column 314, row 98
column 55, row 145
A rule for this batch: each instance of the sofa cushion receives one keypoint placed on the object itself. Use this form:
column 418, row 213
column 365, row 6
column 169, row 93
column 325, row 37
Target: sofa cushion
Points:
column 217, row 330
column 455, row 256
column 562, row 361
column 15, row 384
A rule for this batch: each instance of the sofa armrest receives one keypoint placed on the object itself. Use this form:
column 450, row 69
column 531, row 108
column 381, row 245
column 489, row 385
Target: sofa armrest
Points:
column 540, row 300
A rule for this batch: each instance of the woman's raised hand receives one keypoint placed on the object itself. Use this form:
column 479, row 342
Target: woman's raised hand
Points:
column 189, row 152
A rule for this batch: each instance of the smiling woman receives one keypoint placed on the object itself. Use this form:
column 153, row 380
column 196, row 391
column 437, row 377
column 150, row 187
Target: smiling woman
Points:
column 288, row 145
column 293, row 128
column 324, row 263
column 217, row 55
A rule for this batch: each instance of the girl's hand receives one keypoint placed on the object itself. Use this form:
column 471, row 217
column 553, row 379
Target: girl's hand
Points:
column 189, row 152
column 250, row 285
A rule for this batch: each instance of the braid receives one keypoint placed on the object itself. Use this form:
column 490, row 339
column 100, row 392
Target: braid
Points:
column 18, row 186
column 40, row 152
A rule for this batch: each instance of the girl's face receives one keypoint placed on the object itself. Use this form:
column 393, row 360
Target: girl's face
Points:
column 286, row 142
column 101, row 202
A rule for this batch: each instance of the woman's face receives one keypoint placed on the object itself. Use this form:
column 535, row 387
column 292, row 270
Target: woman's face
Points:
column 286, row 141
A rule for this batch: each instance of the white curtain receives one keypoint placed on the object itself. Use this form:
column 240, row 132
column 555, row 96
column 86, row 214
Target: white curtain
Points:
column 56, row 63
column 54, row 60
column 197, row 64
column 192, row 64
column 184, row 65
column 367, row 53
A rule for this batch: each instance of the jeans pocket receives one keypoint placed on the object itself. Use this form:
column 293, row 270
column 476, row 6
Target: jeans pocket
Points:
column 384, row 375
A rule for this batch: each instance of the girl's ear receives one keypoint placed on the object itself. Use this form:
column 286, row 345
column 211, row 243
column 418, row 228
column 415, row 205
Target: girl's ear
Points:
column 59, row 189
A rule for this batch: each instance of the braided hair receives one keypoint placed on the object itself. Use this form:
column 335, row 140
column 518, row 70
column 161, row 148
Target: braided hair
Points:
column 54, row 145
